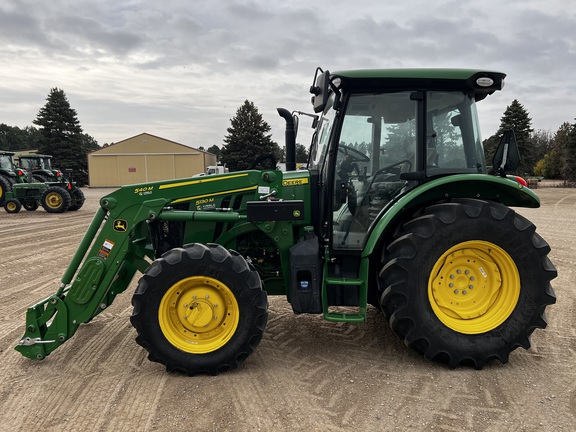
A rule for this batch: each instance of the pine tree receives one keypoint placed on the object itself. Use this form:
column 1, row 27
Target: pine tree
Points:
column 215, row 150
column 248, row 138
column 301, row 154
column 516, row 117
column 62, row 135
column 569, row 170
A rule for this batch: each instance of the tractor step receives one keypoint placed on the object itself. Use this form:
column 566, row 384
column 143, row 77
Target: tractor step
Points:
column 359, row 314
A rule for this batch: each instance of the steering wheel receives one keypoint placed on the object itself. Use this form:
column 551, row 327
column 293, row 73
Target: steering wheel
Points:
column 386, row 169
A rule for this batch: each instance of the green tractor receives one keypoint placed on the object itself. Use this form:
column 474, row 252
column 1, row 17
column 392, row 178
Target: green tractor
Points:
column 10, row 174
column 27, row 195
column 18, row 188
column 41, row 168
column 394, row 210
column 62, row 193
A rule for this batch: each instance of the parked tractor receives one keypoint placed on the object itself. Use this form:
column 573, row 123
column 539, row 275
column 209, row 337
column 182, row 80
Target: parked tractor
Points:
column 56, row 201
column 10, row 174
column 41, row 167
column 394, row 210
column 27, row 195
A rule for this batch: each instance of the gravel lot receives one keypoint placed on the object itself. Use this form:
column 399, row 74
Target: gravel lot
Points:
column 307, row 374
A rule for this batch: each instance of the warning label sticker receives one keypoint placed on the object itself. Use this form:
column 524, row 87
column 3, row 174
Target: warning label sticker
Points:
column 105, row 249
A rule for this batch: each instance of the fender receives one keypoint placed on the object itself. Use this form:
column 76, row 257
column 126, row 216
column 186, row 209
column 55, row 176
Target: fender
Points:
column 478, row 186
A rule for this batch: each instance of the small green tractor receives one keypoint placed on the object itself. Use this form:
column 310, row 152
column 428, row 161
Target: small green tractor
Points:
column 14, row 190
column 61, row 192
column 394, row 210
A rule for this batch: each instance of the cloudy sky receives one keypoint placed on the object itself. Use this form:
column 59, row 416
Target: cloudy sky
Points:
column 180, row 69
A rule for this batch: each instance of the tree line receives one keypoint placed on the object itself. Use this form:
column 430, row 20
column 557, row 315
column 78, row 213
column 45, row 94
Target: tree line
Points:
column 545, row 154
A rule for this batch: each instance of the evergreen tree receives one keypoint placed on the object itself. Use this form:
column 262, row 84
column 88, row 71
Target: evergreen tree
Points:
column 215, row 150
column 248, row 138
column 569, row 170
column 301, row 154
column 490, row 145
column 62, row 136
column 516, row 117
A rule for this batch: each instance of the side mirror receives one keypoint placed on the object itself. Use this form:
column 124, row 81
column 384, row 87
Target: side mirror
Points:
column 320, row 90
column 507, row 156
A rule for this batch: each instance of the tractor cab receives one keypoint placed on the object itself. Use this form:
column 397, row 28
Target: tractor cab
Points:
column 382, row 133
column 8, row 169
column 41, row 168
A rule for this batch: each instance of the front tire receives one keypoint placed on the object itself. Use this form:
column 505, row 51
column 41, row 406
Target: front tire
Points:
column 12, row 205
column 467, row 282
column 199, row 309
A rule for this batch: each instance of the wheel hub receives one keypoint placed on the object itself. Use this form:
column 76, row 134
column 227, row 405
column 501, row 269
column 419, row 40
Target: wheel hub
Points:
column 54, row 200
column 201, row 309
column 467, row 284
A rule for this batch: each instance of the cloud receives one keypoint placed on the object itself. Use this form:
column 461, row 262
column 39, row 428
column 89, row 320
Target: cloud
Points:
column 180, row 69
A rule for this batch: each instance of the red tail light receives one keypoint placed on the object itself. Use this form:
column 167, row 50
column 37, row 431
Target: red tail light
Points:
column 521, row 181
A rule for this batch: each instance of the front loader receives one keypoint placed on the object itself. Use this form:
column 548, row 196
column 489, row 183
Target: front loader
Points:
column 394, row 210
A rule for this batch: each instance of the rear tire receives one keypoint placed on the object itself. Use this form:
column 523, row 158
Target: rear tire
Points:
column 5, row 187
column 55, row 199
column 467, row 282
column 199, row 309
column 78, row 199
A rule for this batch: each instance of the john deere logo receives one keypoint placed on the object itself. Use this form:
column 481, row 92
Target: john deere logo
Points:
column 120, row 225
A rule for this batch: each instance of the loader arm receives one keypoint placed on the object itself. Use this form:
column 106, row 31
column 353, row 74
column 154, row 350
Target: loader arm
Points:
column 129, row 231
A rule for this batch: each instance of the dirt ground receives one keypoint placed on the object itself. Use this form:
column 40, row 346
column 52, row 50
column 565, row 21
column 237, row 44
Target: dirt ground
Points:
column 307, row 374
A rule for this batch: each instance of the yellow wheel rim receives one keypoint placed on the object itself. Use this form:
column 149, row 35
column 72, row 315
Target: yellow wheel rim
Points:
column 11, row 206
column 54, row 200
column 198, row 314
column 474, row 287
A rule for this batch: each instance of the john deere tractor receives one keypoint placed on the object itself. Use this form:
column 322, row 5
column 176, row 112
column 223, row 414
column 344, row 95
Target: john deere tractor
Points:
column 21, row 188
column 62, row 193
column 394, row 210
column 10, row 174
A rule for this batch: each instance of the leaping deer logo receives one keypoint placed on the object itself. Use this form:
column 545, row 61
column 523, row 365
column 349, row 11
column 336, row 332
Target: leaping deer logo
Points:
column 120, row 225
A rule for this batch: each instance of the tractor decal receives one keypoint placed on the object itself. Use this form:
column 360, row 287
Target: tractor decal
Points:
column 295, row 182
column 120, row 225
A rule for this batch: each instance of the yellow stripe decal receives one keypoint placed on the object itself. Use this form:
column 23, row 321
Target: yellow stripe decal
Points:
column 214, row 194
column 202, row 179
